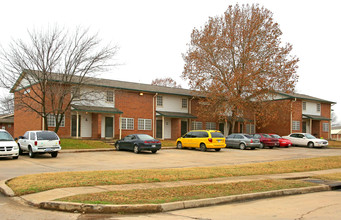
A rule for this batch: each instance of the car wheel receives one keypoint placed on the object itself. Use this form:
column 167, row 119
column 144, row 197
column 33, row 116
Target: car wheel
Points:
column 179, row 145
column 217, row 149
column 261, row 146
column 30, row 153
column 136, row 149
column 54, row 154
column 310, row 144
column 20, row 151
column 203, row 147
column 154, row 151
column 16, row 157
column 117, row 146
column 242, row 146
column 271, row 147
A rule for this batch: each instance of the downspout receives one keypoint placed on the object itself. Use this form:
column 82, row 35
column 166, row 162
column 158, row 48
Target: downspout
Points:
column 154, row 113
column 190, row 112
column 291, row 116
column 77, row 127
column 120, row 125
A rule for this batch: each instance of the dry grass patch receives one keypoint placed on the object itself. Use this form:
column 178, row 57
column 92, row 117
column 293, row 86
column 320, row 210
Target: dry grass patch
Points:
column 164, row 195
column 332, row 176
column 168, row 143
column 334, row 144
column 45, row 181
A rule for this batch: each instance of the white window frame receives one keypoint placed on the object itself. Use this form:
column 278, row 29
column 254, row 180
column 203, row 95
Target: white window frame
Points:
column 110, row 96
column 159, row 100
column 211, row 125
column 184, row 103
column 144, row 124
column 325, row 127
column 250, row 128
column 196, row 125
column 318, row 107
column 304, row 105
column 51, row 121
column 296, row 125
column 127, row 123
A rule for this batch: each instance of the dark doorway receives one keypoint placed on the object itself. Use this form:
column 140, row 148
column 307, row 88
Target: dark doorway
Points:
column 241, row 127
column 109, row 128
column 221, row 127
column 304, row 127
column 183, row 127
column 74, row 126
column 158, row 128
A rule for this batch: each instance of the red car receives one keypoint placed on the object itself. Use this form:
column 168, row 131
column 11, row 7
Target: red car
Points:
column 266, row 140
column 282, row 141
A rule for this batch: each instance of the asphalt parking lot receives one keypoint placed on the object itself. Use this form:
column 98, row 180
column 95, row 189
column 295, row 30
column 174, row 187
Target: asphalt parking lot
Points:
column 166, row 158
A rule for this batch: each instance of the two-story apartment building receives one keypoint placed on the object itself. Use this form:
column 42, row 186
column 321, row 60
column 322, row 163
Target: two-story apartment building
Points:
column 118, row 108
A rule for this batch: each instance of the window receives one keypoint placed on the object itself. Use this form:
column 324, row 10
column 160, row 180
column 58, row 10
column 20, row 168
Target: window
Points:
column 196, row 125
column 250, row 128
column 325, row 127
column 144, row 124
column 318, row 107
column 296, row 125
column 127, row 124
column 110, row 96
column 304, row 106
column 159, row 100
column 32, row 136
column 51, row 121
column 184, row 103
column 210, row 125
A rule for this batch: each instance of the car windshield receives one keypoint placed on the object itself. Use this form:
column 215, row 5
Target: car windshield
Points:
column 248, row 136
column 309, row 136
column 266, row 135
column 275, row 136
column 46, row 135
column 5, row 136
column 217, row 135
column 145, row 137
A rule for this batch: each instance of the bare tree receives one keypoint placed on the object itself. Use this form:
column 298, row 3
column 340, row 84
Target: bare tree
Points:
column 169, row 82
column 44, row 71
column 7, row 104
column 237, row 60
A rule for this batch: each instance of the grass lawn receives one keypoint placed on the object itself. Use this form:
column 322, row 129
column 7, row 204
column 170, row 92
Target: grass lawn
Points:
column 45, row 181
column 334, row 144
column 164, row 195
column 332, row 176
column 83, row 144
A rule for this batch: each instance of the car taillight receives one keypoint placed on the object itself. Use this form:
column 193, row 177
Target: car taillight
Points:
column 210, row 139
column 35, row 143
column 59, row 142
column 251, row 141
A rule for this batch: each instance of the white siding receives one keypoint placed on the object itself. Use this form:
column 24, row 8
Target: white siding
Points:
column 172, row 103
column 311, row 108
column 97, row 97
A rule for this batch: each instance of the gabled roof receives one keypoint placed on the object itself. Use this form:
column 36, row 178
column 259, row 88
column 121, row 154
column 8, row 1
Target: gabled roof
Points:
column 305, row 97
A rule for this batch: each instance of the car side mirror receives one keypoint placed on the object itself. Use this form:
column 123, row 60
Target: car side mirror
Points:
column 21, row 137
column 15, row 139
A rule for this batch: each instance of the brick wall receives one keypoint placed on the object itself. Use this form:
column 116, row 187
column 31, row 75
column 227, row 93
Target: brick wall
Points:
column 176, row 128
column 133, row 105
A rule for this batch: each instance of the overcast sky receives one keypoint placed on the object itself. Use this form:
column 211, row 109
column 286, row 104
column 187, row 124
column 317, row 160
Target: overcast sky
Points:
column 153, row 34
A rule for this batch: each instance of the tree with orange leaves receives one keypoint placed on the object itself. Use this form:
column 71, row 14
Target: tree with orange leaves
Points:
column 237, row 60
column 169, row 82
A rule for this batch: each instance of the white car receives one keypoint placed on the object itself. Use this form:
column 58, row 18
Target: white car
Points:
column 39, row 142
column 8, row 147
column 305, row 139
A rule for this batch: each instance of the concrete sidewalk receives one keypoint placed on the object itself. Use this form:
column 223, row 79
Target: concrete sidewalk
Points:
column 45, row 199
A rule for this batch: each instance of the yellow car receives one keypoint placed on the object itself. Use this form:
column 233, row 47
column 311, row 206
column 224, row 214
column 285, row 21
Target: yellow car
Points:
column 203, row 139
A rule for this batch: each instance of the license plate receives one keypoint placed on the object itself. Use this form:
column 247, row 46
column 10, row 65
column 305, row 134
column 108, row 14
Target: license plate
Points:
column 153, row 145
column 48, row 149
column 219, row 141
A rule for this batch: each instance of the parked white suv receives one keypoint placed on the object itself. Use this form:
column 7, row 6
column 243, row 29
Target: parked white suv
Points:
column 305, row 139
column 40, row 142
column 8, row 147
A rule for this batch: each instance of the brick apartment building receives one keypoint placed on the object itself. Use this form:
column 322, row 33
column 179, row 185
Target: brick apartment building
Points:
column 165, row 113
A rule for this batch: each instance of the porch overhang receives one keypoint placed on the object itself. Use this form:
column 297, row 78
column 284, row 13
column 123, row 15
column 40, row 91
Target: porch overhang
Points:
column 95, row 109
column 315, row 117
column 174, row 114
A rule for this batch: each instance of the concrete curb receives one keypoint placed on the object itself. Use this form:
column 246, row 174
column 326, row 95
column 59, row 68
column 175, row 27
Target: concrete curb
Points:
column 100, row 150
column 152, row 208
column 5, row 190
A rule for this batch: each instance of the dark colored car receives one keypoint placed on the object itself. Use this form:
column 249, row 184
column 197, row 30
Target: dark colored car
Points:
column 242, row 141
column 266, row 140
column 138, row 143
